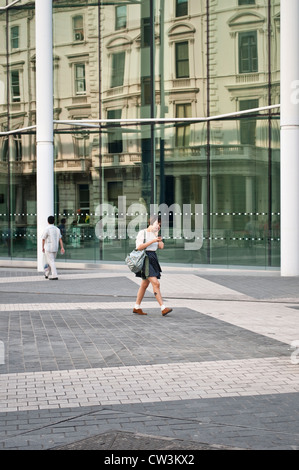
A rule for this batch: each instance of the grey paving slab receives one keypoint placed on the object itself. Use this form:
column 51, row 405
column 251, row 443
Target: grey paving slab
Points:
column 112, row 287
column 266, row 287
column 252, row 423
column 57, row 340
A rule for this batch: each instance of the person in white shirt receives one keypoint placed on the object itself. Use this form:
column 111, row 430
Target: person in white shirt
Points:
column 51, row 239
column 150, row 241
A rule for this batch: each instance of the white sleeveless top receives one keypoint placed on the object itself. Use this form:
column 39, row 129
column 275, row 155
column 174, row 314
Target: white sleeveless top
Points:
column 148, row 237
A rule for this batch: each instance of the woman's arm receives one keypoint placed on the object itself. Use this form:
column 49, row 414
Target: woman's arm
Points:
column 143, row 246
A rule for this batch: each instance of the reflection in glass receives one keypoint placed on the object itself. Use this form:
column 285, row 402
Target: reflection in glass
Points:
column 181, row 8
column 78, row 28
column 14, row 37
column 248, row 61
column 120, row 17
column 118, row 62
column 182, row 59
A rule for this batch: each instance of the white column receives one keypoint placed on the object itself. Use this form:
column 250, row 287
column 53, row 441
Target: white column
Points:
column 289, row 137
column 44, row 119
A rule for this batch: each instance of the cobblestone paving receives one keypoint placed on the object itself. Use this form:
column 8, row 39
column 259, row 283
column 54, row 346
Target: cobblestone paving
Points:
column 79, row 367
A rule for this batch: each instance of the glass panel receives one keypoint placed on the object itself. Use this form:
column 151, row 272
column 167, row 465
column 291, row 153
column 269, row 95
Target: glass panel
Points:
column 22, row 196
column 183, row 130
column 115, row 140
column 76, row 150
column 241, row 156
column 106, row 176
column 17, row 151
column 248, row 124
column 5, row 231
column 274, row 135
column 239, row 195
column 182, row 194
column 274, row 233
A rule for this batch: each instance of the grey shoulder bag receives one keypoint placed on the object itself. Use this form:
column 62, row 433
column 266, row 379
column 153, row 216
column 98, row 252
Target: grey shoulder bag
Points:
column 135, row 259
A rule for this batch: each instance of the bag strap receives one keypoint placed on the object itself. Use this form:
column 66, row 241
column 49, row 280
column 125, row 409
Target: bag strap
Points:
column 146, row 267
column 146, row 260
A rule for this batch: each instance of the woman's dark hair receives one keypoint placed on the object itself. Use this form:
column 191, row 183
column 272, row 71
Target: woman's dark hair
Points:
column 153, row 219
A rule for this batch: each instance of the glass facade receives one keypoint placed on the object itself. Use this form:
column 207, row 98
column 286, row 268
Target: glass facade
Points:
column 134, row 84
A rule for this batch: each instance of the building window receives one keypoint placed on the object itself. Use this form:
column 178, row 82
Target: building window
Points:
column 246, row 2
column 145, row 32
column 248, row 124
column 181, row 8
column 120, row 17
column 4, row 152
column 78, row 29
column 146, row 92
column 115, row 140
column 248, row 60
column 80, row 82
column 81, row 141
column 182, row 137
column 14, row 37
column 114, row 190
column 118, row 69
column 83, row 193
column 15, row 86
column 17, row 148
column 182, row 59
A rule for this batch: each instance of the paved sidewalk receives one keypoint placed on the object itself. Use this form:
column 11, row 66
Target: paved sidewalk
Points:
column 79, row 370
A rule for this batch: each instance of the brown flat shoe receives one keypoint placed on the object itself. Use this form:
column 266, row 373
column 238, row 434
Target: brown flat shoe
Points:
column 139, row 311
column 166, row 310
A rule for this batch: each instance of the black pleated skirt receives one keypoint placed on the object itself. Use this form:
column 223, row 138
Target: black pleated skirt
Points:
column 154, row 266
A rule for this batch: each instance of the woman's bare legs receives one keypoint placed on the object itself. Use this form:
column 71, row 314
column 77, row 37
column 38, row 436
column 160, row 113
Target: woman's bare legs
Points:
column 140, row 294
column 156, row 288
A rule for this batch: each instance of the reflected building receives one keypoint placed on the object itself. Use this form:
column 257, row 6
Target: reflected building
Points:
column 162, row 59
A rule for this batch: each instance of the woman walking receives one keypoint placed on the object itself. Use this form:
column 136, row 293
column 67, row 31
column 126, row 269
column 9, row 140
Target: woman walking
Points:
column 150, row 241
